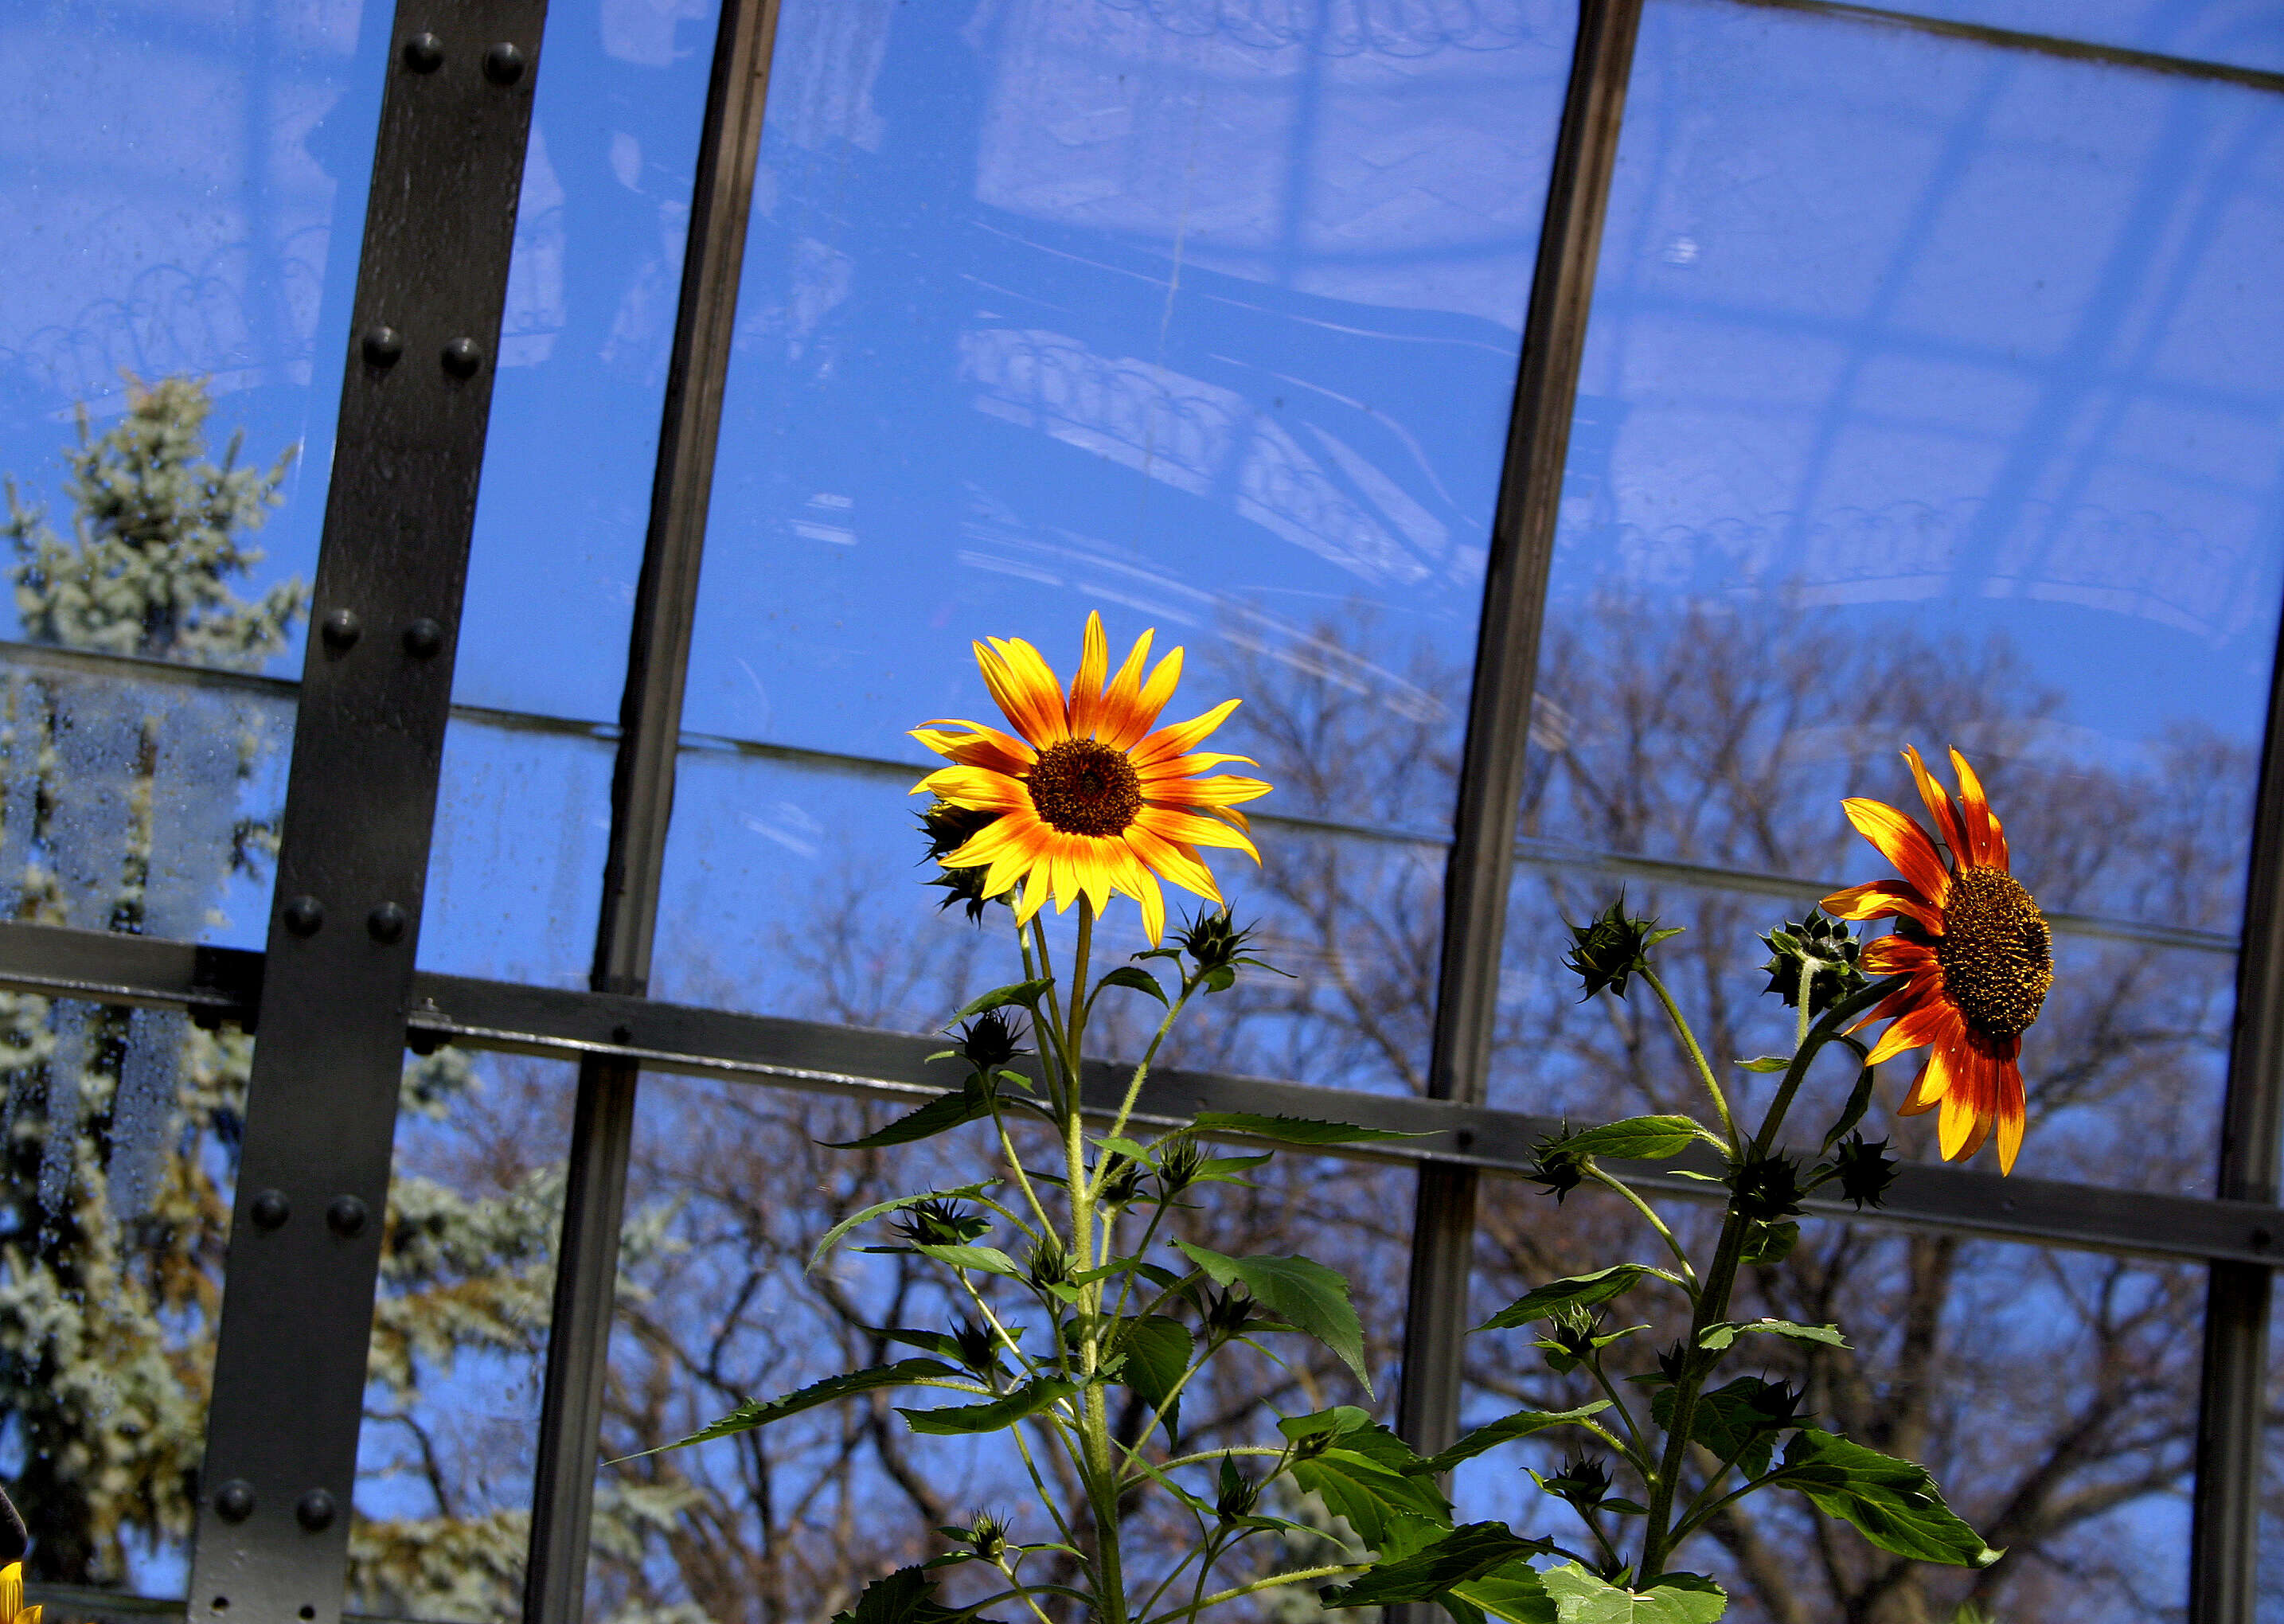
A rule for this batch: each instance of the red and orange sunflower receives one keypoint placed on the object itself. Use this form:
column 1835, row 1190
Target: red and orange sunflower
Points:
column 1977, row 950
column 1086, row 798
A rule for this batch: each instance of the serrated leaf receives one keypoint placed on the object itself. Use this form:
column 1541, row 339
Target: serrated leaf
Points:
column 905, row 1596
column 1157, row 1348
column 1130, row 975
column 1716, row 1337
column 940, row 1115
column 1506, row 1429
column 1026, row 993
column 1891, row 1503
column 1305, row 1295
column 1675, row 1598
column 1770, row 1242
column 1000, row 1413
column 756, row 1412
column 1471, row 1552
column 965, row 1192
column 1293, row 1129
column 1644, row 1138
column 1578, row 1291
column 1366, row 1473
column 1764, row 1063
column 1515, row 1594
column 1731, row 1422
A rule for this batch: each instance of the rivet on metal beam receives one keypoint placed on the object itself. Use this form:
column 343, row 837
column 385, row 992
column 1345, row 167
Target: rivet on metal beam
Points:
column 341, row 630
column 503, row 64
column 304, row 916
column 270, row 1210
column 386, row 923
column 424, row 639
column 383, row 346
column 461, row 357
column 315, row 1511
column 345, row 1217
column 234, row 1500
column 423, row 53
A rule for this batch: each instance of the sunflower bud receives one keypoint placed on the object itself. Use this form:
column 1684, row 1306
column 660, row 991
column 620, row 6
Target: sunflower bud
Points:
column 940, row 1223
column 948, row 828
column 990, row 1040
column 1611, row 946
column 1767, row 1188
column 986, row 1536
column 1825, row 949
column 1866, row 1170
column 1213, row 940
column 1240, row 1492
column 1179, row 1159
column 1584, row 1482
column 1048, row 1265
column 1569, row 1339
column 978, row 1344
column 1227, row 1315
column 1559, row 1171
column 1122, row 1180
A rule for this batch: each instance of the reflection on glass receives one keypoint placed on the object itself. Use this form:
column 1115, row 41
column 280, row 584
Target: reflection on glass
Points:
column 591, row 291
column 2053, row 1395
column 188, row 185
column 729, row 1195
column 443, row 1507
column 122, row 1129
column 2238, row 33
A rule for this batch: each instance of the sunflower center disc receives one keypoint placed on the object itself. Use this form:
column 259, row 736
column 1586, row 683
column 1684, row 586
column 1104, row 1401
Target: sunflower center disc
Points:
column 1081, row 786
column 1995, row 952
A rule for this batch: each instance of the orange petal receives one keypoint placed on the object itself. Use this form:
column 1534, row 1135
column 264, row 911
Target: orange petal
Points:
column 1897, row 955
column 1931, row 1023
column 1224, row 791
column 1172, row 861
column 1958, row 1122
column 1122, row 697
column 1177, row 739
column 1188, row 829
column 1087, row 700
column 1938, row 806
column 1146, row 891
column 977, row 788
column 979, row 746
column 1035, row 706
column 2012, row 1114
column 1142, row 714
column 1986, row 840
column 1190, row 766
column 1901, row 841
column 1881, row 898
column 1920, row 1100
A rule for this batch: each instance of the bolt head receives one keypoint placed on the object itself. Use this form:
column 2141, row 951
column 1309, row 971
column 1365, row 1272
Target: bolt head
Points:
column 270, row 1210
column 341, row 629
column 461, row 357
column 386, row 923
column 345, row 1216
column 315, row 1511
column 382, row 346
column 424, row 639
column 304, row 916
column 423, row 53
column 503, row 64
column 234, row 1500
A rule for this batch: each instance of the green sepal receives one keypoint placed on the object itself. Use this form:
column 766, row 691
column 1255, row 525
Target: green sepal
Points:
column 1305, row 1295
column 756, row 1412
column 1891, row 1503
column 999, row 1414
column 1506, row 1429
column 1578, row 1291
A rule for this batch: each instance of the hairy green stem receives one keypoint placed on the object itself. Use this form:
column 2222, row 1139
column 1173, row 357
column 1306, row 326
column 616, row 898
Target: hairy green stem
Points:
column 1834, row 1021
column 1697, row 1056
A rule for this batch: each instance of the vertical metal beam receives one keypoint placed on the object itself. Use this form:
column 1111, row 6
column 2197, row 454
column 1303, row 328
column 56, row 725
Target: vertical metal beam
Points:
column 2224, row 1540
column 1482, row 864
column 360, row 807
column 642, row 802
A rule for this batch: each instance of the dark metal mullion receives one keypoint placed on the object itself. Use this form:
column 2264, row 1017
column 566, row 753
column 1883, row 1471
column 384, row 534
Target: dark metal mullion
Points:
column 642, row 803
column 2224, row 1540
column 1481, row 867
column 376, row 692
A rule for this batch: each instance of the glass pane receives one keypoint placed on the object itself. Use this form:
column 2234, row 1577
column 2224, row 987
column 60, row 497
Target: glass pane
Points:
column 1932, row 395
column 729, row 1194
column 516, row 874
column 2051, row 1394
column 140, row 805
column 592, row 294
column 443, row 1507
column 121, row 1128
column 2240, row 32
column 1207, row 322
column 187, row 195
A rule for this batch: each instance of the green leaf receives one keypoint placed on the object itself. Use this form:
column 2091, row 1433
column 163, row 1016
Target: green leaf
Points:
column 1506, row 1429
column 905, row 1596
column 1293, row 1129
column 1770, row 1242
column 965, row 1192
column 754, row 1412
column 1716, row 1337
column 1674, row 1598
column 1363, row 1472
column 940, row 1115
column 1307, row 1295
column 1731, row 1421
column 1646, row 1138
column 1859, row 1100
column 1893, row 1503
column 983, row 1260
column 1026, row 1399
column 1129, row 975
column 1157, row 1348
column 1026, row 993
column 1516, row 1594
column 1764, row 1062
column 1578, row 1291
column 1471, row 1552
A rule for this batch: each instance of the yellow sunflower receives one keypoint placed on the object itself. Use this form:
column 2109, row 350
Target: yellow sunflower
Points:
column 13, row 1610
column 1087, row 799
column 1977, row 950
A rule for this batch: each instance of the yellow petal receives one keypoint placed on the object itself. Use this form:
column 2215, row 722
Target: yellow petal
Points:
column 1086, row 695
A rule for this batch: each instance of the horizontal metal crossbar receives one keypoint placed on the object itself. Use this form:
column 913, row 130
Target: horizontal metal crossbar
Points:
column 224, row 984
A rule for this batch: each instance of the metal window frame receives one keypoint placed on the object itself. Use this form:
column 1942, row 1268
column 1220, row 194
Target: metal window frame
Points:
column 358, row 823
